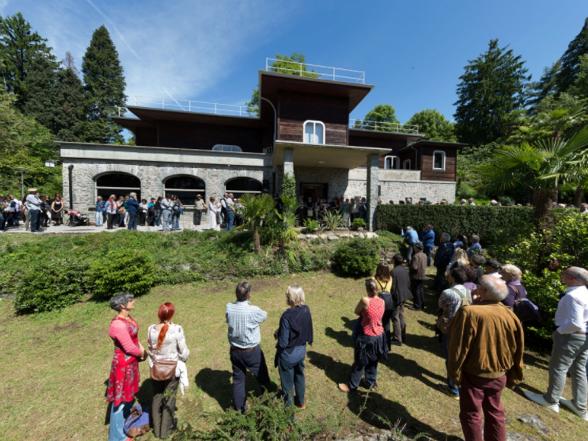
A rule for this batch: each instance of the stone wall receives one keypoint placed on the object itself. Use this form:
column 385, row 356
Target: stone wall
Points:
column 434, row 191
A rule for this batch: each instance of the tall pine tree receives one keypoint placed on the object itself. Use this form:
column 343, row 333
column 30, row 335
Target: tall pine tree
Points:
column 570, row 60
column 104, row 88
column 70, row 112
column 492, row 86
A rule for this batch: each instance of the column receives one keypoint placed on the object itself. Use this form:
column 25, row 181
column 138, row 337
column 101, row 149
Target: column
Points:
column 288, row 162
column 373, row 168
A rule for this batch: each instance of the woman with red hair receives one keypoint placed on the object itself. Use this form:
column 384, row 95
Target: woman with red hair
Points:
column 167, row 356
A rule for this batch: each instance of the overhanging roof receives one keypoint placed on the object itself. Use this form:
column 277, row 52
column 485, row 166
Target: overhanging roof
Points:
column 325, row 155
column 430, row 142
column 272, row 83
column 152, row 114
column 409, row 137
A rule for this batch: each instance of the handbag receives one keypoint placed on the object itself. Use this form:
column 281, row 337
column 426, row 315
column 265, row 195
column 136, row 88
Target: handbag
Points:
column 137, row 423
column 163, row 370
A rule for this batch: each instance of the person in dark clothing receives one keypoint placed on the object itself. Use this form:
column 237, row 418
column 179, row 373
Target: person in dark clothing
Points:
column 428, row 239
column 400, row 294
column 418, row 275
column 294, row 333
column 442, row 259
column 132, row 207
column 477, row 262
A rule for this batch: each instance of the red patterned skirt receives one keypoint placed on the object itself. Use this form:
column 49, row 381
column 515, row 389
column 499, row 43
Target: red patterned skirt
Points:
column 123, row 383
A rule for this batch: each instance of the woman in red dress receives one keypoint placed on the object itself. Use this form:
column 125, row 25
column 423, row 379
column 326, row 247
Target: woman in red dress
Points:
column 123, row 382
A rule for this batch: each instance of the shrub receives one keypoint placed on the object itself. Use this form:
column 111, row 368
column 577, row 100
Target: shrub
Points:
column 121, row 270
column 332, row 220
column 311, row 226
column 266, row 419
column 356, row 257
column 48, row 284
column 358, row 223
column 495, row 225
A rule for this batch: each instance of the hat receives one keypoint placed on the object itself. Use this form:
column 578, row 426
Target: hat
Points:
column 32, row 190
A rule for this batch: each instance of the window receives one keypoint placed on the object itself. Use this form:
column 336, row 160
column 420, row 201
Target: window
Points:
column 185, row 188
column 118, row 184
column 241, row 186
column 391, row 163
column 314, row 132
column 227, row 148
column 406, row 164
column 438, row 160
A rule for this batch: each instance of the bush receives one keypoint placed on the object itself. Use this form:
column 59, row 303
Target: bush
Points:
column 358, row 223
column 311, row 226
column 332, row 220
column 495, row 225
column 356, row 258
column 121, row 270
column 48, row 284
column 267, row 419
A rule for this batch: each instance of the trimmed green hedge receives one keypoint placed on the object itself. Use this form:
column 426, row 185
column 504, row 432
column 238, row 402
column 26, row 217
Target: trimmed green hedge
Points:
column 495, row 225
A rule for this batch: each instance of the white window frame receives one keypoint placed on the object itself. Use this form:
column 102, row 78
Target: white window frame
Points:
column 444, row 160
column 407, row 161
column 395, row 159
column 310, row 121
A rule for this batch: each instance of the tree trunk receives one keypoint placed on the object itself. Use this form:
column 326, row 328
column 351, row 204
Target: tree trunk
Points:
column 579, row 195
column 256, row 240
column 543, row 200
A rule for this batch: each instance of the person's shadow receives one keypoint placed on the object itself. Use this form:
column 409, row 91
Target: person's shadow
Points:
column 410, row 368
column 216, row 384
column 372, row 407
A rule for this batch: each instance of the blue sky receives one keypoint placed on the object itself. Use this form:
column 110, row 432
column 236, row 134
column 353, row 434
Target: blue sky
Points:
column 412, row 51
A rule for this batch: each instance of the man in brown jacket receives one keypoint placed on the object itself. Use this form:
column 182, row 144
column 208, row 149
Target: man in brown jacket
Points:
column 486, row 347
column 418, row 270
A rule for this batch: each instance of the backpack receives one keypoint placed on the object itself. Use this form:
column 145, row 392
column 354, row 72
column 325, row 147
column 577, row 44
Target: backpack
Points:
column 137, row 423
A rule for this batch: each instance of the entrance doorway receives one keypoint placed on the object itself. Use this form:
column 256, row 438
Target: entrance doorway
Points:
column 314, row 192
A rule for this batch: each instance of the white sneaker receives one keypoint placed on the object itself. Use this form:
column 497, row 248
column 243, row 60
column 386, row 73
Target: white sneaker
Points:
column 569, row 404
column 538, row 398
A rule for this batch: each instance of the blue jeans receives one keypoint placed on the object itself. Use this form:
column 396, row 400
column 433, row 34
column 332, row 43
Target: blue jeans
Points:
column 132, row 221
column 453, row 389
column 175, row 220
column 230, row 219
column 292, row 380
column 35, row 220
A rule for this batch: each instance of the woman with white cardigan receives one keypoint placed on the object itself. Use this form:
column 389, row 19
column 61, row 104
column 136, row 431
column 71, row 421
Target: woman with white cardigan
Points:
column 213, row 214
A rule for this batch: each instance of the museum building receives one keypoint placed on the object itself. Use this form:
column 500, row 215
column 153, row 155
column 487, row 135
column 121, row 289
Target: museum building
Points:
column 303, row 128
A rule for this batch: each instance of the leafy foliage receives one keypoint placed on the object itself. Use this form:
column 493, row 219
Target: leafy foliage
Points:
column 382, row 117
column 332, row 220
column 121, row 270
column 433, row 124
column 571, row 61
column 492, row 86
column 356, row 257
column 311, row 225
column 495, row 225
column 257, row 214
column 358, row 223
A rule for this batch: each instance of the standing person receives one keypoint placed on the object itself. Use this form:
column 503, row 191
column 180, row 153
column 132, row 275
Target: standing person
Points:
column 370, row 344
column 428, row 239
column 383, row 280
column 151, row 212
column 243, row 320
column 486, row 347
column 442, row 259
column 123, row 382
column 120, row 212
column 570, row 346
column 57, row 208
column 166, row 211
column 294, row 333
column 449, row 303
column 418, row 275
column 411, row 237
column 167, row 344
column 132, row 209
column 199, row 209
column 142, row 215
column 346, row 213
column 99, row 208
column 228, row 211
column 213, row 214
column 33, row 205
column 475, row 247
column 157, row 212
column 400, row 293
column 492, row 267
column 111, row 210
column 516, row 291
column 177, row 210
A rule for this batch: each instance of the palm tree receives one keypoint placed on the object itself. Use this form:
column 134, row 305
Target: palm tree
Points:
column 255, row 211
column 540, row 168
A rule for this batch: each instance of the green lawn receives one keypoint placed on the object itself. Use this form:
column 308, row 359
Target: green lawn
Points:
column 53, row 366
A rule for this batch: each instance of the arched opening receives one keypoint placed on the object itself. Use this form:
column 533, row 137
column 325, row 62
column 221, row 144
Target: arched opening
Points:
column 118, row 184
column 186, row 188
column 242, row 186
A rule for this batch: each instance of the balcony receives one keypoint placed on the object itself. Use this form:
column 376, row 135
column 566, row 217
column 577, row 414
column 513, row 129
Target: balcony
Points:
column 384, row 126
column 314, row 71
column 182, row 105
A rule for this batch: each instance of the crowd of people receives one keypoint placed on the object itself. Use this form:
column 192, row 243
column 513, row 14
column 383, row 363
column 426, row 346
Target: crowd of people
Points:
column 35, row 211
column 482, row 313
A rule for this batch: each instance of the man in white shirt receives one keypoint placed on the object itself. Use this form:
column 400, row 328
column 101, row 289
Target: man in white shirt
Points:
column 33, row 204
column 570, row 346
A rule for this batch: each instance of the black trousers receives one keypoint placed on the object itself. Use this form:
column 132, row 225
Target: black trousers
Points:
column 163, row 409
column 197, row 217
column 109, row 220
column 418, row 292
column 251, row 360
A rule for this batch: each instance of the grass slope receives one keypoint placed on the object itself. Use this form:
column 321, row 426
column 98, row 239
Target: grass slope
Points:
column 54, row 365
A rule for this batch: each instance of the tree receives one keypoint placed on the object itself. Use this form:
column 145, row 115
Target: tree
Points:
column 546, row 86
column 540, row 168
column 433, row 124
column 491, row 87
column 256, row 210
column 382, row 117
column 571, row 60
column 104, row 88
column 284, row 64
column 25, row 147
column 70, row 112
column 580, row 86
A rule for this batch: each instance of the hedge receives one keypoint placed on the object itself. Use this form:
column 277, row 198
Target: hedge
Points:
column 495, row 225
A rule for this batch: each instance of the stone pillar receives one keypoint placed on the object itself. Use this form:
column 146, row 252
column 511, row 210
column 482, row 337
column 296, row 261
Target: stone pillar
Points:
column 288, row 162
column 373, row 167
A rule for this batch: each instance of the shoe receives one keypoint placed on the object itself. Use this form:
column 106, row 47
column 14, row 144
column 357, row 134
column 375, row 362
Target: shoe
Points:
column 343, row 387
column 569, row 404
column 301, row 406
column 373, row 386
column 538, row 398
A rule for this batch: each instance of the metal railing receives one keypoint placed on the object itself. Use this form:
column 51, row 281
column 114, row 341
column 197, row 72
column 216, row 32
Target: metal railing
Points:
column 315, row 71
column 383, row 126
column 187, row 106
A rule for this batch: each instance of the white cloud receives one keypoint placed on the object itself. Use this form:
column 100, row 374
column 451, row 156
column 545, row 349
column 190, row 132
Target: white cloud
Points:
column 181, row 48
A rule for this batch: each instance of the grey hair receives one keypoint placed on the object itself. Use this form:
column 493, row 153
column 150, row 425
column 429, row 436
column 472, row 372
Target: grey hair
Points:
column 120, row 300
column 295, row 295
column 445, row 237
column 511, row 272
column 578, row 273
column 495, row 288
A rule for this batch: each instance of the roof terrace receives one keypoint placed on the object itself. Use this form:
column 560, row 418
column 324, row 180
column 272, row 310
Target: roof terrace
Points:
column 314, row 71
column 383, row 126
